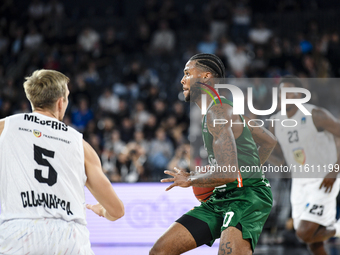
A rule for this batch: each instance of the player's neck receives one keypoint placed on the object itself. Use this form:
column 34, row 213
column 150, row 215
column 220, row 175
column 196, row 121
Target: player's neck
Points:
column 46, row 112
column 291, row 112
column 199, row 102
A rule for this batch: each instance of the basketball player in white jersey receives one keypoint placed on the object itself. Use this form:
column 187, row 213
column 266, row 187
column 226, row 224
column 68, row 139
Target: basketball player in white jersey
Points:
column 310, row 144
column 44, row 166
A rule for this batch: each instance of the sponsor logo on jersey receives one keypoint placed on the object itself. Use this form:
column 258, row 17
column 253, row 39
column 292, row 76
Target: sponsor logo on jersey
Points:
column 299, row 155
column 303, row 120
column 37, row 133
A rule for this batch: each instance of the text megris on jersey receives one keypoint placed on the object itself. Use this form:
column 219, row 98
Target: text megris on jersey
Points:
column 53, row 124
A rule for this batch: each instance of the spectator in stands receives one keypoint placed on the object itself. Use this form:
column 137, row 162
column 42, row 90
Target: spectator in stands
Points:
column 127, row 129
column 150, row 12
column 160, row 111
column 260, row 34
column 241, row 19
column 143, row 37
column 228, row 47
column 81, row 115
column 88, row 40
column 208, row 45
column 258, row 64
column 115, row 144
column 54, row 9
column 140, row 115
column 161, row 151
column 239, row 61
column 150, row 127
column 139, row 139
column 18, row 42
column 91, row 75
column 129, row 164
column 36, row 10
column 181, row 158
column 109, row 102
column 33, row 40
column 219, row 14
column 163, row 40
column 52, row 63
column 111, row 46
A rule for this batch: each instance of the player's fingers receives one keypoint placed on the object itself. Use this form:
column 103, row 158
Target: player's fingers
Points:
column 89, row 206
column 169, row 172
column 177, row 170
column 170, row 187
column 326, row 190
column 330, row 188
column 322, row 184
column 168, row 180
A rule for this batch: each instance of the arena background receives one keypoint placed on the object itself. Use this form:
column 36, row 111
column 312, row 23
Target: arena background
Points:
column 125, row 62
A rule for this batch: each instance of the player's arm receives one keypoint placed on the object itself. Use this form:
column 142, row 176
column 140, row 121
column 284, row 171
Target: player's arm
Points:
column 324, row 120
column 225, row 151
column 224, row 147
column 277, row 157
column 2, row 125
column 110, row 206
column 265, row 139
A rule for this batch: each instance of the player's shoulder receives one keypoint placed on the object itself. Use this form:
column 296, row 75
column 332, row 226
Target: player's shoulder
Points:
column 15, row 116
column 73, row 130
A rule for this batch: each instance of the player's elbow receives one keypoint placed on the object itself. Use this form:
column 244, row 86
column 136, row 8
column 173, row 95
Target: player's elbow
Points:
column 118, row 212
column 272, row 142
column 121, row 211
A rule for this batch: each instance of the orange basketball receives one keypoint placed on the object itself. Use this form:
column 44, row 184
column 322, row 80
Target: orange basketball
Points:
column 202, row 194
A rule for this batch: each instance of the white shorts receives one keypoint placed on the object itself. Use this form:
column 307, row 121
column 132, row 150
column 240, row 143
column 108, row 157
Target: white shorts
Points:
column 44, row 236
column 311, row 203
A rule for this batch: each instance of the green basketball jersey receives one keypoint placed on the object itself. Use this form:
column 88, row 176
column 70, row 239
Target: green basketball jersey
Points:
column 247, row 155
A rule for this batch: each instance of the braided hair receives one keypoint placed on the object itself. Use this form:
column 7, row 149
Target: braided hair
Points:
column 210, row 62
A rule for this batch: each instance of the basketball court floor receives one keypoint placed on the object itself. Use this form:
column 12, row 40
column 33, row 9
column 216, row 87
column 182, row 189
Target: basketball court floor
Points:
column 205, row 250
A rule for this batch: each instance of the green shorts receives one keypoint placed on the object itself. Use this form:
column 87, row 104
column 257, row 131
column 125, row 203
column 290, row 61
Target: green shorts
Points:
column 248, row 206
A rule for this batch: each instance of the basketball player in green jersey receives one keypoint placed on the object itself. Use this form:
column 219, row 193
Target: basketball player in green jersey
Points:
column 241, row 202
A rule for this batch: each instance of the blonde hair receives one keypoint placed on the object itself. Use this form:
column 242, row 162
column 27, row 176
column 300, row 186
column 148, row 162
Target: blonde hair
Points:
column 45, row 87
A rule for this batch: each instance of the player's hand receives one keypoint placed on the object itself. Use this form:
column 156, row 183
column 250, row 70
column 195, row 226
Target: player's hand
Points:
column 180, row 178
column 97, row 209
column 328, row 181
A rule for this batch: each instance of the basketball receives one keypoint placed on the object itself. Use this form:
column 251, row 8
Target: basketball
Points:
column 202, row 194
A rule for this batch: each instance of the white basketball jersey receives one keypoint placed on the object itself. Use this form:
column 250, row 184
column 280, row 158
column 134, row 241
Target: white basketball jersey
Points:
column 303, row 146
column 42, row 173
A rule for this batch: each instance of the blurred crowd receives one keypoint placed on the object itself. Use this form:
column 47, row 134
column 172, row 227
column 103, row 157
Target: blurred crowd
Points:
column 125, row 72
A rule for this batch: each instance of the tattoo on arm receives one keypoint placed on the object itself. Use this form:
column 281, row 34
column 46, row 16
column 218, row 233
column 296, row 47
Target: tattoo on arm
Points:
column 224, row 148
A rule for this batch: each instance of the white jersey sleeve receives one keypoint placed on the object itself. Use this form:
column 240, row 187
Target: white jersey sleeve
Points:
column 42, row 171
